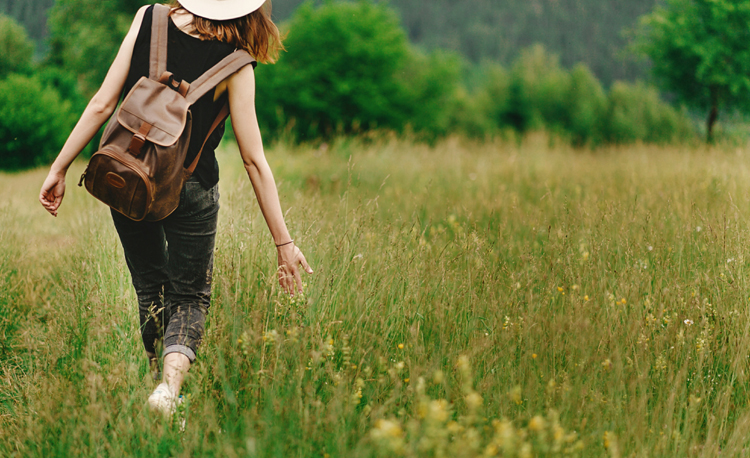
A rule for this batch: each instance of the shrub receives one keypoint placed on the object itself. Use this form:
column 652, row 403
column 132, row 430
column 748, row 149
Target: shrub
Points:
column 636, row 113
column 430, row 84
column 16, row 50
column 469, row 115
column 34, row 122
column 66, row 85
column 586, row 105
column 537, row 92
column 484, row 112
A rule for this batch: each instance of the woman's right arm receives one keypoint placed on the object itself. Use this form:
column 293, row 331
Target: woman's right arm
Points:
column 98, row 111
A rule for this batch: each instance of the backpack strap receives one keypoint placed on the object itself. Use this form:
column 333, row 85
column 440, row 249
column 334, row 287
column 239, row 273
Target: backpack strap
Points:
column 215, row 75
column 223, row 115
column 158, row 56
column 218, row 73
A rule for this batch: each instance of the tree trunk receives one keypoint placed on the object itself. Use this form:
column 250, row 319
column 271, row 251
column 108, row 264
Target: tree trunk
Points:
column 713, row 115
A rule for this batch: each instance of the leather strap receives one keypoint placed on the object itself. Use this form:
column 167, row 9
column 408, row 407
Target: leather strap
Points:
column 215, row 75
column 222, row 116
column 158, row 57
column 139, row 139
column 218, row 73
column 183, row 89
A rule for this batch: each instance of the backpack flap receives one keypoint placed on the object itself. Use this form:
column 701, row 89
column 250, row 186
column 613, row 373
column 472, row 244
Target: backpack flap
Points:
column 153, row 112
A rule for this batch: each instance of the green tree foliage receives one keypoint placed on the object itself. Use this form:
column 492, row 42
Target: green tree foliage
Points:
column 587, row 103
column 86, row 35
column 65, row 83
column 34, row 118
column 536, row 90
column 34, row 122
column 492, row 100
column 636, row 113
column 340, row 71
column 541, row 94
column 700, row 51
column 429, row 91
column 349, row 69
column 538, row 93
column 16, row 50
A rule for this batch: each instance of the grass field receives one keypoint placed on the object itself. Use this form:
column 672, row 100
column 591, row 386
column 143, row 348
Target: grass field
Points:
column 469, row 300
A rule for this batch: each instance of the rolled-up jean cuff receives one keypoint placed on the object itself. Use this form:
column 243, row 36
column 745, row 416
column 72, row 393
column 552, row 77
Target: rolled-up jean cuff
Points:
column 187, row 351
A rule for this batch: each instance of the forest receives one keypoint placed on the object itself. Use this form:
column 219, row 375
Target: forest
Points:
column 31, row 13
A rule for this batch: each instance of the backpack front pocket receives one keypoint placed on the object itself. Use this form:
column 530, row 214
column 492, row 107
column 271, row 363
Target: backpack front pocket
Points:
column 115, row 179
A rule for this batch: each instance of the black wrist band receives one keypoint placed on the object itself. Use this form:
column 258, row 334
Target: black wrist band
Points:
column 287, row 243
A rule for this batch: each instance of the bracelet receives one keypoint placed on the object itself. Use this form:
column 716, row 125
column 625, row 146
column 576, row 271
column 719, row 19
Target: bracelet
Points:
column 287, row 243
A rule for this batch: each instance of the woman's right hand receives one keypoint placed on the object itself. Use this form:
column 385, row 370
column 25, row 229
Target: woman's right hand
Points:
column 290, row 258
column 52, row 192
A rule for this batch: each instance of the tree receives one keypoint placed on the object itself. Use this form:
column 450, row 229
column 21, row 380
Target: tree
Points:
column 429, row 85
column 86, row 34
column 34, row 122
column 340, row 71
column 700, row 51
column 16, row 50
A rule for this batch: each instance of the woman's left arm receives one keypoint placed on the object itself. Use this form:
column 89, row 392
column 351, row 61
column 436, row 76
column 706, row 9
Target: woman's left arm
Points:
column 241, row 88
column 97, row 112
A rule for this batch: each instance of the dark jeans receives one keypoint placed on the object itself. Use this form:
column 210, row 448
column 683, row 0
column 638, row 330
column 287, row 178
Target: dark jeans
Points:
column 171, row 263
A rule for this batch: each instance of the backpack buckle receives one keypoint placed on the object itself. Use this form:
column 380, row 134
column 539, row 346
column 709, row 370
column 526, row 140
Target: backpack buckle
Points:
column 139, row 139
column 168, row 79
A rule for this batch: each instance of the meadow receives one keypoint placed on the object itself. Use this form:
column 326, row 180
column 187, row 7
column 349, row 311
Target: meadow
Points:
column 498, row 299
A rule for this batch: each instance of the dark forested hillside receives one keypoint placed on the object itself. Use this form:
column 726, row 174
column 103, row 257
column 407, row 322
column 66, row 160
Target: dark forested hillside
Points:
column 589, row 31
column 31, row 13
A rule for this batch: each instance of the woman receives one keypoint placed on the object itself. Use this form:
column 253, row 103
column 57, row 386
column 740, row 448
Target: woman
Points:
column 171, row 261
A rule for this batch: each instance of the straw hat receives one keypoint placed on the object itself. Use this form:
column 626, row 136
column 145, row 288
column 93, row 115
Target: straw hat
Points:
column 221, row 10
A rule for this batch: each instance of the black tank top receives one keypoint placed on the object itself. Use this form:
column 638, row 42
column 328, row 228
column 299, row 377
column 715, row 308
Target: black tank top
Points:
column 188, row 58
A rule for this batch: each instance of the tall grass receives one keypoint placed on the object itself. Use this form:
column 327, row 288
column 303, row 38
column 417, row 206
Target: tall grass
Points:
column 469, row 300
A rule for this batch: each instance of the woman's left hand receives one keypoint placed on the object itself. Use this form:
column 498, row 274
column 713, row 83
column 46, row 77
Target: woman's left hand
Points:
column 290, row 258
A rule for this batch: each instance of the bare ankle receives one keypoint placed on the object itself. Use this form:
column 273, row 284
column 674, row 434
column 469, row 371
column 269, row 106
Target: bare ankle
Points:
column 176, row 365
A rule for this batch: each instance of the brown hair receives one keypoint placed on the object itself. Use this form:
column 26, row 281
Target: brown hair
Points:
column 255, row 33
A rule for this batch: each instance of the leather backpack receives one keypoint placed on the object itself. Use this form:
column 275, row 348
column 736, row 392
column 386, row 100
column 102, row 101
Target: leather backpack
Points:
column 139, row 167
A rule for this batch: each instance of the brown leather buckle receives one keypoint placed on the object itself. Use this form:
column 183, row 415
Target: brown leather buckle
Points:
column 168, row 79
column 139, row 139
column 136, row 144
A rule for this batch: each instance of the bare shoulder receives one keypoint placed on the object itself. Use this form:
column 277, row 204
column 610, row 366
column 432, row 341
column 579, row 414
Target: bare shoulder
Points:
column 243, row 79
column 245, row 74
column 141, row 12
column 138, row 20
